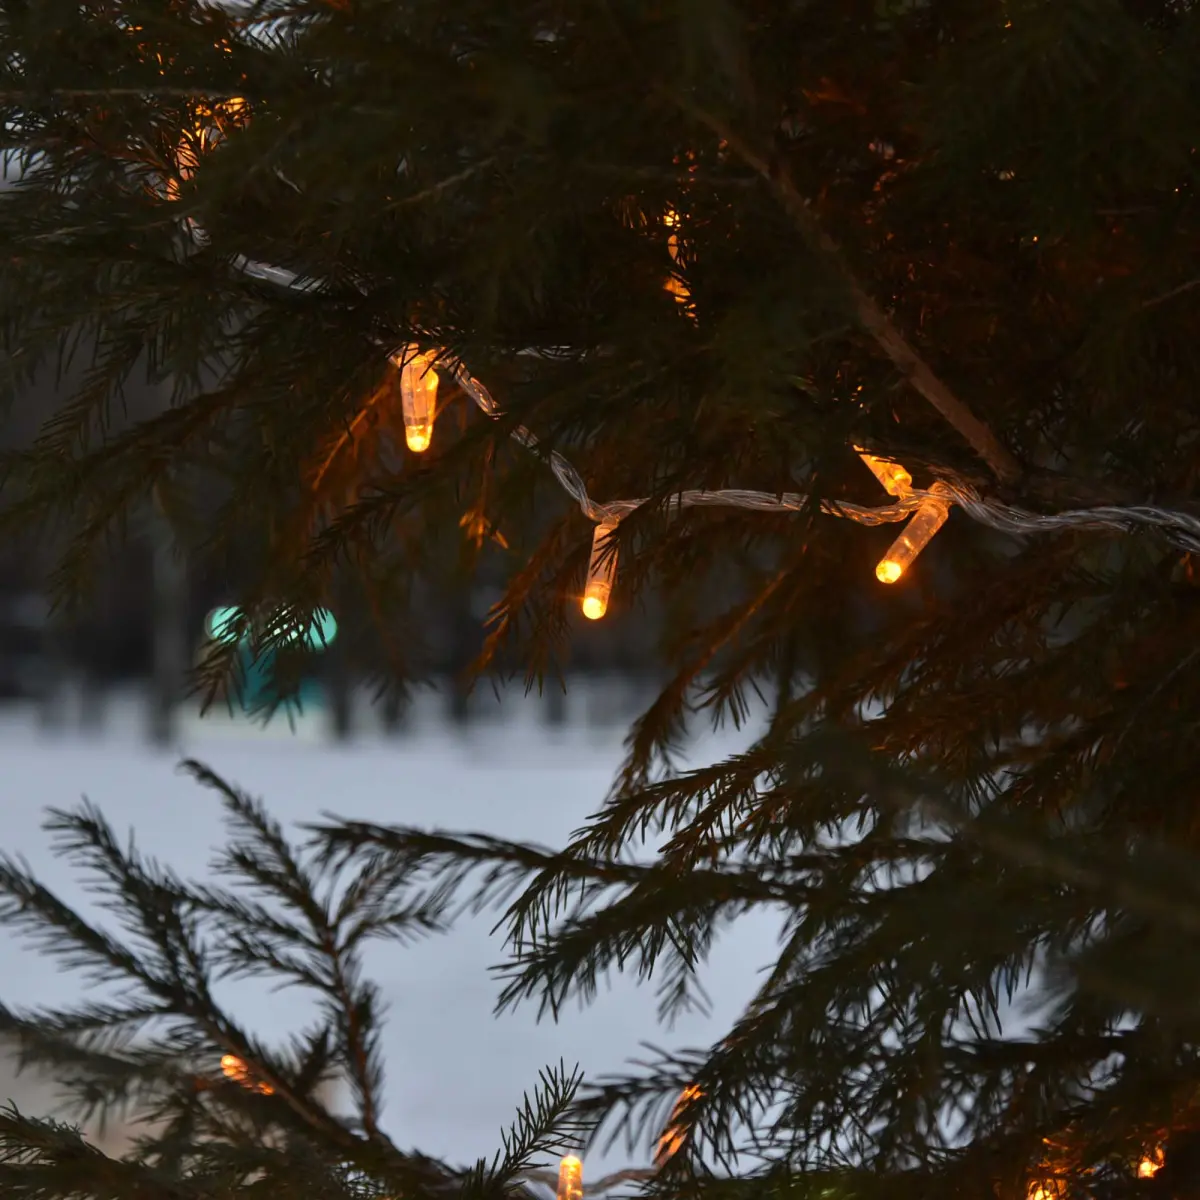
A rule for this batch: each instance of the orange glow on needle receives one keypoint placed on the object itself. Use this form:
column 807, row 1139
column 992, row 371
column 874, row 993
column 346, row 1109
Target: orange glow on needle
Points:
column 234, row 1068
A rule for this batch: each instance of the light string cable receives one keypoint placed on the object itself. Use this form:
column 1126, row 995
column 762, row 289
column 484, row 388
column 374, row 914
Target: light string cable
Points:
column 927, row 508
column 1183, row 529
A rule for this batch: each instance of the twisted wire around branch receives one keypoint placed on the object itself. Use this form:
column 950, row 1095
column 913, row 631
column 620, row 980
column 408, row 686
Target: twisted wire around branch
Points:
column 1180, row 528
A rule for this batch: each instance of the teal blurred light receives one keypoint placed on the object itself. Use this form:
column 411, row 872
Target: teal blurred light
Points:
column 226, row 623
column 223, row 622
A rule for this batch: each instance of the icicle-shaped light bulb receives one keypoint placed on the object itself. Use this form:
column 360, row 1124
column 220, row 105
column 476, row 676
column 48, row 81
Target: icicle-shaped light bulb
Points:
column 570, row 1179
column 674, row 282
column 924, row 523
column 895, row 479
column 602, row 570
column 418, row 399
column 234, row 1068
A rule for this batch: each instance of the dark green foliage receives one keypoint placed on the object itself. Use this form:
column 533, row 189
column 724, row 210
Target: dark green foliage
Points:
column 153, row 1048
column 1010, row 186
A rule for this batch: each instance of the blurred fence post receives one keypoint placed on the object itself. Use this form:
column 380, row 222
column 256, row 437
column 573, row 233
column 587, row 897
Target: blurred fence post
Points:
column 54, row 696
column 554, row 696
column 464, row 631
column 395, row 710
column 340, row 684
column 169, row 628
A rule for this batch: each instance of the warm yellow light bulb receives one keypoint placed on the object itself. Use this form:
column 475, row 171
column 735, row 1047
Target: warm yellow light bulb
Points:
column 570, row 1179
column 674, row 283
column 602, row 570
column 234, row 1068
column 1151, row 1164
column 418, row 398
column 895, row 479
column 918, row 533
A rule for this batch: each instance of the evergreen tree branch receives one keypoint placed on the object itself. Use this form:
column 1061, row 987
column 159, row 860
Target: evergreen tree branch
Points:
column 172, row 966
column 920, row 376
column 42, row 1159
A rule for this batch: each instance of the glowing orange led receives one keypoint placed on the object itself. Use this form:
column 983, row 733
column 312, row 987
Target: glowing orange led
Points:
column 602, row 571
column 1151, row 1164
column 234, row 1068
column 925, row 522
column 674, row 284
column 895, row 479
column 1046, row 1189
column 570, row 1179
column 418, row 398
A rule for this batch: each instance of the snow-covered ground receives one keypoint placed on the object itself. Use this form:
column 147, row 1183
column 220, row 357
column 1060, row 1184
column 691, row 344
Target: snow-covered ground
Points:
column 454, row 1072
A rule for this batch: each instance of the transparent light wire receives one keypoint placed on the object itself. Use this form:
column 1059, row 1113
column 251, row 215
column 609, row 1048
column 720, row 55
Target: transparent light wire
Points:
column 1180, row 528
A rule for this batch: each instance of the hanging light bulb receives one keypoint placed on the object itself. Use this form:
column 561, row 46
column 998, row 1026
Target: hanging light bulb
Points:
column 674, row 282
column 895, row 479
column 418, row 397
column 234, row 1068
column 925, row 522
column 1151, row 1164
column 602, row 570
column 570, row 1179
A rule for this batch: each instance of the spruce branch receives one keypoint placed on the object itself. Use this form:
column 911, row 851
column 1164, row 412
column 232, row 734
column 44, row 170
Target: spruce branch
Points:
column 262, row 1127
column 1166, row 296
column 1132, row 889
column 173, row 967
column 920, row 376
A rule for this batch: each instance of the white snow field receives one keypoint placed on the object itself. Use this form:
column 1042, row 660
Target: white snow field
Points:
column 454, row 1073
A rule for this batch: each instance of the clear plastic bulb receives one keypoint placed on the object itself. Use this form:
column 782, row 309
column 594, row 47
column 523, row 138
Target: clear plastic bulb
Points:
column 674, row 283
column 234, row 1068
column 918, row 533
column 895, row 479
column 602, row 571
column 570, row 1179
column 418, row 399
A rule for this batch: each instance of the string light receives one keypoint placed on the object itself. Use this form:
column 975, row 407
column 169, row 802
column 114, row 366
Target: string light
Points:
column 570, row 1179
column 928, row 509
column 1040, row 1191
column 674, row 282
column 418, row 397
column 930, row 516
column 235, row 1068
column 568, row 1183
column 1180, row 528
column 926, row 521
column 1151, row 1164
column 602, row 570
column 895, row 479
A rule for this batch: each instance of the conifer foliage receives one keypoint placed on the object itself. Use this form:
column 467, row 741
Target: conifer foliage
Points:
column 214, row 1109
column 693, row 244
